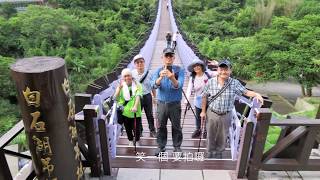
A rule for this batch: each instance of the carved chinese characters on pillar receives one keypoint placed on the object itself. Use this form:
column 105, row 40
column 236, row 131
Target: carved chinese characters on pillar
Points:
column 42, row 146
column 38, row 127
column 46, row 166
column 72, row 128
column 32, row 97
column 36, row 124
column 48, row 115
column 71, row 110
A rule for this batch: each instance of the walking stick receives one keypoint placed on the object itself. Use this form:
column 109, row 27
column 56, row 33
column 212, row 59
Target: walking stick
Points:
column 201, row 132
column 135, row 133
column 190, row 104
column 185, row 112
column 196, row 118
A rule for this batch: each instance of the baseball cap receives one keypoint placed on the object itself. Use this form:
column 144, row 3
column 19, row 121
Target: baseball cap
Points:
column 225, row 62
column 138, row 56
column 168, row 51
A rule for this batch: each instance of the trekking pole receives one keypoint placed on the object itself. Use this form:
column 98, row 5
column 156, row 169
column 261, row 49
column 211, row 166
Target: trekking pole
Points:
column 190, row 104
column 135, row 133
column 196, row 119
column 201, row 133
column 185, row 112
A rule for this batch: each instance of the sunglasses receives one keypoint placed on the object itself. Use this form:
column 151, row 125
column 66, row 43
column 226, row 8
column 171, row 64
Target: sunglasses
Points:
column 168, row 55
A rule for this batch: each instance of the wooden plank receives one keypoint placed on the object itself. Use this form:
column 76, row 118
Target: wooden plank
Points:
column 278, row 164
column 295, row 122
column 80, row 100
column 261, row 131
column 16, row 154
column 146, row 141
column 284, row 143
column 267, row 103
column 245, row 145
column 155, row 164
column 4, row 168
column 306, row 144
column 83, row 149
column 283, row 132
column 11, row 134
column 90, row 112
column 104, row 147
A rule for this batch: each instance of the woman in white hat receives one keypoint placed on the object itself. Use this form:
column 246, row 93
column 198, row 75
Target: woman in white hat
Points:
column 198, row 79
column 128, row 95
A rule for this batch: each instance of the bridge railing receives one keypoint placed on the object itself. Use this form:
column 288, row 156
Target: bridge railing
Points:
column 186, row 54
column 106, row 85
column 290, row 153
column 96, row 117
column 27, row 172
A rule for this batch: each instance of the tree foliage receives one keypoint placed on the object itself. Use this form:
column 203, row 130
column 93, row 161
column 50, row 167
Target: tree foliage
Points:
column 92, row 36
column 283, row 44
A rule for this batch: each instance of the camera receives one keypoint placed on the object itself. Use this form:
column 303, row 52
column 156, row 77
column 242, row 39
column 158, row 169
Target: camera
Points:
column 169, row 68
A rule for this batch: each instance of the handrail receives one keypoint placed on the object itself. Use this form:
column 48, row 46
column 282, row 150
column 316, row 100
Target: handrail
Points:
column 11, row 134
column 4, row 141
column 185, row 52
column 146, row 51
column 295, row 122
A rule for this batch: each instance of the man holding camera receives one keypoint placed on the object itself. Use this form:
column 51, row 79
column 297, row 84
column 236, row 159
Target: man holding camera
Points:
column 168, row 80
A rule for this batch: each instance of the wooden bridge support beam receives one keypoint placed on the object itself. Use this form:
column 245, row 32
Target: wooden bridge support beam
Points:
column 90, row 114
column 104, row 143
column 4, row 168
column 260, row 136
column 244, row 151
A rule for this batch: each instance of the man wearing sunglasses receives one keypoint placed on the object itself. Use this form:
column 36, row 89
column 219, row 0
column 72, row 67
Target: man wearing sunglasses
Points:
column 168, row 80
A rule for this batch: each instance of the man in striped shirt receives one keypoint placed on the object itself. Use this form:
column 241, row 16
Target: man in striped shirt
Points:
column 218, row 114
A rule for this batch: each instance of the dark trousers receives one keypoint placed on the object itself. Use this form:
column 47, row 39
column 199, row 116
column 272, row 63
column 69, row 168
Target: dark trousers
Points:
column 198, row 119
column 129, row 125
column 174, row 44
column 170, row 111
column 146, row 104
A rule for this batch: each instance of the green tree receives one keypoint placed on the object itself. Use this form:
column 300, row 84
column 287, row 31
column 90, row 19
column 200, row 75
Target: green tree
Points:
column 7, row 10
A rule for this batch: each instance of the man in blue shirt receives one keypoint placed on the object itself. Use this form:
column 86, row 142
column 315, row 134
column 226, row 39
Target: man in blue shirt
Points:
column 168, row 80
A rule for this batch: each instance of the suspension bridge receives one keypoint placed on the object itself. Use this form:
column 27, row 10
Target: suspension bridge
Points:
column 101, row 151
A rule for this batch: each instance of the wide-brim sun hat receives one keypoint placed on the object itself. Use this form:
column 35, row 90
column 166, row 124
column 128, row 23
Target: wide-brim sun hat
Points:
column 194, row 62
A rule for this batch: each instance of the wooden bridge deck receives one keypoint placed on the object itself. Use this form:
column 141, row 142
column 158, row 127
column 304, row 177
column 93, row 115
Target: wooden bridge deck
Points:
column 126, row 156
